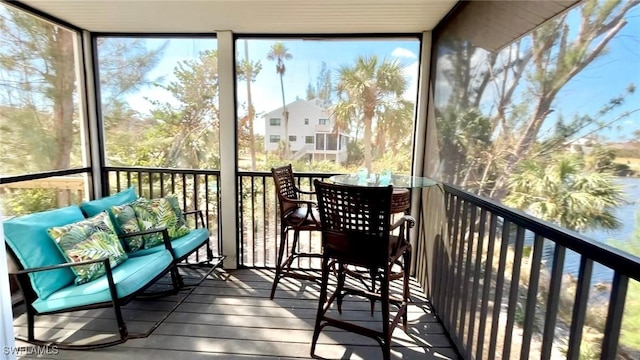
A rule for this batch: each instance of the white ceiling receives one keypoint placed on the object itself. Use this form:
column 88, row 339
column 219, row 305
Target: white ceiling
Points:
column 248, row 16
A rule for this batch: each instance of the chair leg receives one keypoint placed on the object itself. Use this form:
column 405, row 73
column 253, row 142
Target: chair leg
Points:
column 407, row 290
column 294, row 244
column 209, row 252
column 30, row 325
column 384, row 294
column 283, row 245
column 321, row 302
column 176, row 279
column 373, row 273
column 342, row 274
column 122, row 327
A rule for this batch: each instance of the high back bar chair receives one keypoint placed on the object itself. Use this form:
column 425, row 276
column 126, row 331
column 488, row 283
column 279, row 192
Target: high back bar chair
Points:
column 357, row 231
column 296, row 215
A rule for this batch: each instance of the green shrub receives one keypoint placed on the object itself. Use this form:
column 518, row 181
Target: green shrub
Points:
column 27, row 201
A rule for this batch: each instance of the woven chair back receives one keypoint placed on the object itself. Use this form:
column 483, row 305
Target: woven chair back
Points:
column 355, row 222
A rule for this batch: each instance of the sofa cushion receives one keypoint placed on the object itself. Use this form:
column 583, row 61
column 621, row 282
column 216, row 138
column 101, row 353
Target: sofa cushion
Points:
column 94, row 207
column 155, row 213
column 89, row 239
column 181, row 246
column 27, row 236
column 131, row 276
column 126, row 222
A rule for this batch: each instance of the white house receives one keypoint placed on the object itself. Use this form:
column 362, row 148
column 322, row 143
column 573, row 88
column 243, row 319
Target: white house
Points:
column 583, row 145
column 310, row 132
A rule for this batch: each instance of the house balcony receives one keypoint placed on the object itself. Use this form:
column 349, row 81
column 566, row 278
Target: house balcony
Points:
column 488, row 282
column 323, row 128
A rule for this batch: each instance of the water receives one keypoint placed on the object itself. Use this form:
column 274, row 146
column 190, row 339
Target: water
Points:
column 627, row 214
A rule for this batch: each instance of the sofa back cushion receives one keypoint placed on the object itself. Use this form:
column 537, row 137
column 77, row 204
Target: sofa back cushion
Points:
column 27, row 237
column 95, row 207
column 89, row 239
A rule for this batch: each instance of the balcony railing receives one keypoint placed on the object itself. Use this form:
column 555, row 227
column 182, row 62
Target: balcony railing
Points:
column 195, row 189
column 497, row 278
column 259, row 220
column 497, row 295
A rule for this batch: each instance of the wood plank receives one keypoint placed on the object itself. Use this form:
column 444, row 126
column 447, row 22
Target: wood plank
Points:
column 235, row 319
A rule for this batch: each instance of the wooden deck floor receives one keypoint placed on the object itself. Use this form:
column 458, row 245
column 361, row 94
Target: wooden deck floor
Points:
column 230, row 316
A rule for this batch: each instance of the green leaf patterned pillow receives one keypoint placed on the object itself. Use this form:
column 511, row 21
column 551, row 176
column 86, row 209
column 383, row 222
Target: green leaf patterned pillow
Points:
column 89, row 239
column 126, row 222
column 181, row 225
column 155, row 213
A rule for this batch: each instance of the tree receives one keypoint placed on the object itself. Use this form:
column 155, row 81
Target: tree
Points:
column 247, row 71
column 602, row 159
column 323, row 87
column 37, row 59
column 519, row 86
column 560, row 190
column 395, row 123
column 186, row 134
column 279, row 53
column 38, row 90
column 124, row 65
column 364, row 90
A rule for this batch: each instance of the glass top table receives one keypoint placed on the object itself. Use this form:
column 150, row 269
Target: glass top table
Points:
column 374, row 180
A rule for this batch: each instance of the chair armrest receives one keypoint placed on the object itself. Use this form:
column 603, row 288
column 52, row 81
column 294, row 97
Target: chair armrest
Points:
column 310, row 205
column 165, row 237
column 405, row 223
column 104, row 260
column 408, row 219
column 302, row 202
column 305, row 192
column 61, row 266
column 143, row 232
column 200, row 215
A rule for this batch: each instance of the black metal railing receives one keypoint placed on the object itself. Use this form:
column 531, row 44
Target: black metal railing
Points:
column 496, row 277
column 259, row 220
column 499, row 283
column 195, row 189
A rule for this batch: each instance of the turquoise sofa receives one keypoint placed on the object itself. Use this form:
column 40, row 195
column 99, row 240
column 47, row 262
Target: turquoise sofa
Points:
column 181, row 248
column 47, row 281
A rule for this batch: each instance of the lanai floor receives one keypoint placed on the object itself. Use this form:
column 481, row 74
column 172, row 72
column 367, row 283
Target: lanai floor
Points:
column 229, row 316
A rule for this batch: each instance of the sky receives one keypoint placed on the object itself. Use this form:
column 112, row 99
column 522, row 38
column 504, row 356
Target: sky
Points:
column 607, row 77
column 304, row 67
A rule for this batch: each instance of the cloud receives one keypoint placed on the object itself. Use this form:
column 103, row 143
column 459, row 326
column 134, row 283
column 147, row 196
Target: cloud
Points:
column 402, row 52
column 411, row 74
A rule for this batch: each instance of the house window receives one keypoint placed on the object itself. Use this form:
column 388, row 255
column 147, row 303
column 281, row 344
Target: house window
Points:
column 306, row 121
column 274, row 138
column 332, row 142
column 323, row 121
column 274, row 122
column 293, row 138
column 308, row 139
column 320, row 141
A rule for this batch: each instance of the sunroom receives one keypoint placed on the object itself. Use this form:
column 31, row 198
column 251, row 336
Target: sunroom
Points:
column 524, row 113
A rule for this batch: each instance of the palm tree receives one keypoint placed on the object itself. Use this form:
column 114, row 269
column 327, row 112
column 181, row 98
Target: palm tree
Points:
column 247, row 71
column 364, row 90
column 394, row 127
column 561, row 190
column 279, row 53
